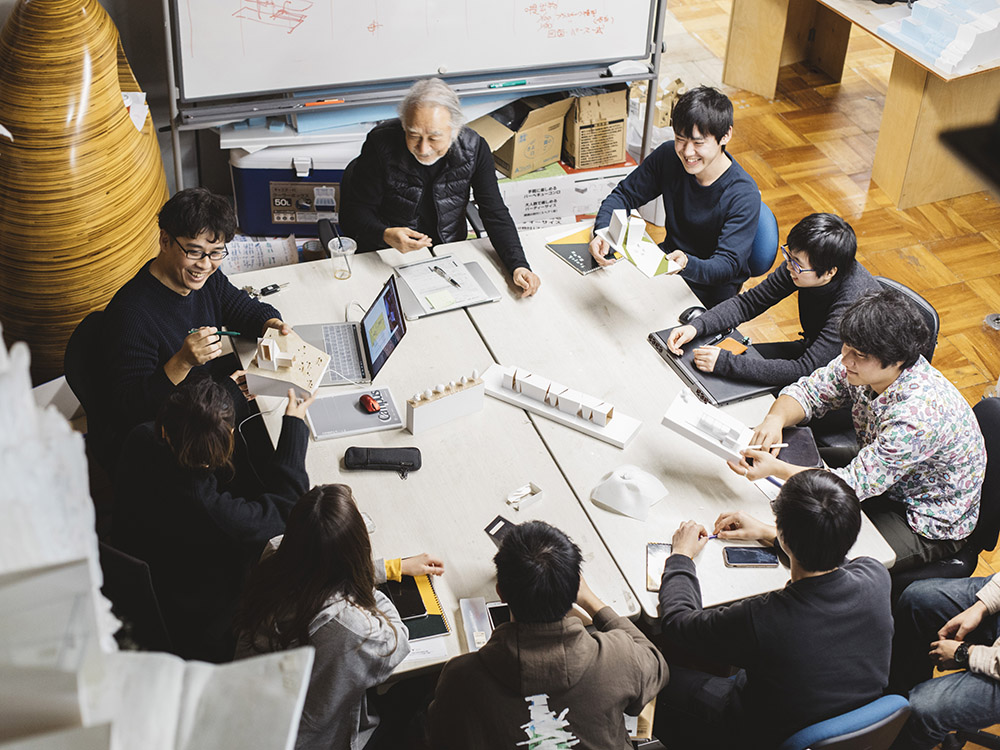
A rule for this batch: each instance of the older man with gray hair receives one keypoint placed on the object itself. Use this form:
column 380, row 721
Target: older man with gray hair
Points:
column 409, row 188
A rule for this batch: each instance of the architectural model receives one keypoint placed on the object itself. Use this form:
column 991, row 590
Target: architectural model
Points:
column 541, row 396
column 954, row 35
column 707, row 425
column 283, row 362
column 445, row 402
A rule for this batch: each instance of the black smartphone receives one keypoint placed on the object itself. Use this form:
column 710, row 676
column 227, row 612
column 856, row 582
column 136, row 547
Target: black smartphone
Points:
column 499, row 613
column 749, row 557
column 497, row 529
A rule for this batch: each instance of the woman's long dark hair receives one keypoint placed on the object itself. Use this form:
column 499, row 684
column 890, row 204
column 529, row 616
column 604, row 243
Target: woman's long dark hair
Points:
column 325, row 551
column 197, row 420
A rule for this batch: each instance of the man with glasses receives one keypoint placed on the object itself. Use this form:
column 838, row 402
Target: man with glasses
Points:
column 162, row 326
column 820, row 266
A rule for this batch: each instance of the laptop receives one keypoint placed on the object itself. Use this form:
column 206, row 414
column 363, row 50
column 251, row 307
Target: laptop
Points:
column 358, row 350
column 707, row 386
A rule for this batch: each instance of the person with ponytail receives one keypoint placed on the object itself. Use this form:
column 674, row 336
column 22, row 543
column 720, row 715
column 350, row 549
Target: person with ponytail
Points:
column 177, row 507
column 316, row 586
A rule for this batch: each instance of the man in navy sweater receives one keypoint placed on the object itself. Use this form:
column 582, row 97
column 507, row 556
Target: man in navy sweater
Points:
column 712, row 204
column 162, row 325
column 817, row 648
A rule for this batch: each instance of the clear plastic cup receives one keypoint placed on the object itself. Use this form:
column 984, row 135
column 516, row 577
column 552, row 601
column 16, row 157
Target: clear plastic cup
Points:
column 342, row 249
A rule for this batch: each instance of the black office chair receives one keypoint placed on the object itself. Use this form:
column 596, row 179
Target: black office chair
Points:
column 834, row 433
column 129, row 587
column 957, row 740
column 474, row 219
column 84, row 369
column 984, row 537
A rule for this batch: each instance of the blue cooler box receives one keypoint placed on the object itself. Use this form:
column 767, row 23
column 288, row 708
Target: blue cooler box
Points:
column 282, row 190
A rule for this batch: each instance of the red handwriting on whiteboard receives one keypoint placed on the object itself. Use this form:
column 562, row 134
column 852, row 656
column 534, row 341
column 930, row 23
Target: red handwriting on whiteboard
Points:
column 285, row 14
column 556, row 23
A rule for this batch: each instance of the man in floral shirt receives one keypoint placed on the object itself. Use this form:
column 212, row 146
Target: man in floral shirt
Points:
column 922, row 459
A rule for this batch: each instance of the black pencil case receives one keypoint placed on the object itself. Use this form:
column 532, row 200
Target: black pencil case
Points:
column 403, row 460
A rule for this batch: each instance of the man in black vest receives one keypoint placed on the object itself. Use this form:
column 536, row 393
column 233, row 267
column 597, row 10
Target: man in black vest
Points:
column 410, row 187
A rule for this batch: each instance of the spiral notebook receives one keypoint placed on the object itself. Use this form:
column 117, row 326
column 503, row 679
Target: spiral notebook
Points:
column 428, row 625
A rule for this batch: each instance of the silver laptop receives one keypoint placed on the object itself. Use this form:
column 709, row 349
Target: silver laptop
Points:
column 359, row 350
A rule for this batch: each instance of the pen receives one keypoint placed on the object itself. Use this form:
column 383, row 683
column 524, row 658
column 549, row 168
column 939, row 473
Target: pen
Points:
column 443, row 275
column 218, row 333
column 719, row 338
column 760, row 447
column 713, row 536
column 324, row 101
column 506, row 84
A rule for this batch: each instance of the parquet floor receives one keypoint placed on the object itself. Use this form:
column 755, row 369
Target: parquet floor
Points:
column 811, row 149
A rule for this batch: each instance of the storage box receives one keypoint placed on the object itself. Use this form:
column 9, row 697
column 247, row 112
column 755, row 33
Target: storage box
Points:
column 594, row 135
column 282, row 190
column 557, row 194
column 532, row 146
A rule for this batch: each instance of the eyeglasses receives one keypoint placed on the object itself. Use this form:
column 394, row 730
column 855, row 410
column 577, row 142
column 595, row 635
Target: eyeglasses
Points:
column 215, row 255
column 796, row 266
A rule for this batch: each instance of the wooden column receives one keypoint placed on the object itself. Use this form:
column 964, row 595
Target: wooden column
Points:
column 80, row 185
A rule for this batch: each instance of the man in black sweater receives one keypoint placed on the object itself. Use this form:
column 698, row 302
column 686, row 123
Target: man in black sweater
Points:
column 711, row 203
column 820, row 266
column 813, row 650
column 161, row 327
column 409, row 188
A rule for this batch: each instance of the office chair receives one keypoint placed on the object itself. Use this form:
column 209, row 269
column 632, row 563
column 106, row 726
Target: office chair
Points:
column 129, row 587
column 957, row 740
column 475, row 221
column 84, row 367
column 871, row 727
column 926, row 310
column 984, row 537
column 765, row 243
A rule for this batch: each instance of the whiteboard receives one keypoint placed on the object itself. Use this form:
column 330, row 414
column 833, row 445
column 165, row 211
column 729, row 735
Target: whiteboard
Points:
column 228, row 48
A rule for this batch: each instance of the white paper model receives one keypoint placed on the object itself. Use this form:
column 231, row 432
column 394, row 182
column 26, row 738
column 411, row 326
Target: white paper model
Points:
column 567, row 401
column 618, row 227
column 630, row 491
column 283, row 362
column 444, row 403
column 707, row 425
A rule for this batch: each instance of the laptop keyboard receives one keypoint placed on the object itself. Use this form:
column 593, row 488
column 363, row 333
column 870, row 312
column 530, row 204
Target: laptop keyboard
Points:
column 341, row 344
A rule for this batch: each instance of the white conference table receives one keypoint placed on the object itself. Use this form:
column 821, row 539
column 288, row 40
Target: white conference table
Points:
column 469, row 465
column 589, row 333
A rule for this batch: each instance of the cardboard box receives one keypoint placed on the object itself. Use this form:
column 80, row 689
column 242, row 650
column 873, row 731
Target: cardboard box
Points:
column 594, row 134
column 532, row 146
column 557, row 194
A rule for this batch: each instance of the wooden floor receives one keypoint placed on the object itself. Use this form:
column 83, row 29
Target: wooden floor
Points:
column 811, row 149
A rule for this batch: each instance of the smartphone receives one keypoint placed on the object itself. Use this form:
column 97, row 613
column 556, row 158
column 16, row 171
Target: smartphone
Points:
column 749, row 557
column 497, row 529
column 656, row 557
column 499, row 613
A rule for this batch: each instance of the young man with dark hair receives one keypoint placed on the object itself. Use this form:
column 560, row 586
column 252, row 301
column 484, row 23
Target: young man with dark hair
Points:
column 920, row 468
column 162, row 324
column 711, row 203
column 542, row 675
column 817, row 648
column 820, row 266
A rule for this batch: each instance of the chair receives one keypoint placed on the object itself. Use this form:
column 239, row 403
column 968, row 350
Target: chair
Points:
column 129, row 587
column 474, row 219
column 957, row 740
column 765, row 243
column 871, row 727
column 926, row 309
column 984, row 537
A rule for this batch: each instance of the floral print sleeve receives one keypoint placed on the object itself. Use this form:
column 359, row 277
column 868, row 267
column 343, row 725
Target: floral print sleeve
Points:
column 821, row 391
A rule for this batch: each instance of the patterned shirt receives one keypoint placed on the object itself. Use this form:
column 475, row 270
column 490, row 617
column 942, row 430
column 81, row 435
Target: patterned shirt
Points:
column 920, row 444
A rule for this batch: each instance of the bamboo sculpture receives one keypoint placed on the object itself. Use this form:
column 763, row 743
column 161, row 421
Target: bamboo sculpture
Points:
column 80, row 185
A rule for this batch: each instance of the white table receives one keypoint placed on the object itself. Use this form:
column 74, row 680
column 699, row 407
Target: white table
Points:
column 589, row 333
column 469, row 465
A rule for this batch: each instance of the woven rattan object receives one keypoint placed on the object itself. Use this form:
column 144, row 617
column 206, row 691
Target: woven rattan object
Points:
column 80, row 185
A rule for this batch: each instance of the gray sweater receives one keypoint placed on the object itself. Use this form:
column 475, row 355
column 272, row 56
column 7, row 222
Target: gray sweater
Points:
column 820, row 310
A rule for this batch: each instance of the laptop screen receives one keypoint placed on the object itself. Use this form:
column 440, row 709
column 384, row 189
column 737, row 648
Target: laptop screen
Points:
column 383, row 326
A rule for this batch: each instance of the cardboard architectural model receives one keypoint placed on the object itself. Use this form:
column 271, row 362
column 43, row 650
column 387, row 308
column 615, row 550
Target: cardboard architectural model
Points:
column 444, row 403
column 283, row 362
column 558, row 396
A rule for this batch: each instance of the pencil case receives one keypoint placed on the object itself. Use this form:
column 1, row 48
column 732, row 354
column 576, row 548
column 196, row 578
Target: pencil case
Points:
column 402, row 460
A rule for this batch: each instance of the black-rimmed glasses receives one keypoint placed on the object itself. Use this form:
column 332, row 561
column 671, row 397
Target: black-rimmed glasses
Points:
column 215, row 255
column 796, row 266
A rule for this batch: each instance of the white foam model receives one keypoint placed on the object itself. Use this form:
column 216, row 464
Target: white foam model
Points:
column 541, row 396
column 707, row 425
column 283, row 362
column 630, row 491
column 444, row 403
column 955, row 35
column 63, row 683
